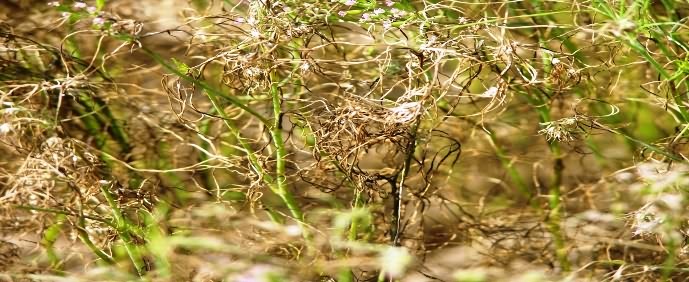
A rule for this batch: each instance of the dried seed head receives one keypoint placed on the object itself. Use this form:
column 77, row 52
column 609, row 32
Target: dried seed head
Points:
column 646, row 220
column 560, row 130
column 405, row 112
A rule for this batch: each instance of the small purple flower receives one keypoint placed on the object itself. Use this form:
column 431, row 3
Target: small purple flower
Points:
column 240, row 20
column 378, row 11
column 397, row 13
column 365, row 16
column 251, row 20
column 387, row 24
column 98, row 21
column 341, row 13
column 389, row 3
column 66, row 14
column 258, row 273
column 54, row 4
column 79, row 5
column 350, row 2
column 91, row 10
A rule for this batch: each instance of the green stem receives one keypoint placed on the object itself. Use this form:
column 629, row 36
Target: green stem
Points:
column 281, row 153
column 507, row 164
column 123, row 231
column 84, row 237
column 554, row 201
column 50, row 236
column 205, row 86
column 555, row 215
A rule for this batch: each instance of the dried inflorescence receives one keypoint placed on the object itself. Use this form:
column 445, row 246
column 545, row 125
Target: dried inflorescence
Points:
column 54, row 118
column 343, row 123
column 562, row 130
column 347, row 132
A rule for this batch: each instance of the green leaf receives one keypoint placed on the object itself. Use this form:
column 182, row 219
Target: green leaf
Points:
column 200, row 4
column 100, row 4
column 181, row 66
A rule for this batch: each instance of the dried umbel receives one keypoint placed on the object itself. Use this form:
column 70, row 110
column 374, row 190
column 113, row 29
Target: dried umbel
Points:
column 562, row 130
column 347, row 131
column 661, row 216
column 262, row 104
column 55, row 121
column 405, row 112
column 48, row 174
column 647, row 220
column 409, row 107
column 563, row 75
column 245, row 71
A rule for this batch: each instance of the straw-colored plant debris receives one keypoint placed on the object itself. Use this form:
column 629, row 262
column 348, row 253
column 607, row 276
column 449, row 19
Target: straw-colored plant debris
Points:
column 344, row 140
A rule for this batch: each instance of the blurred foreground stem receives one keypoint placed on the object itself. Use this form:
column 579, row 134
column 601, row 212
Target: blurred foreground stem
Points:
column 123, row 231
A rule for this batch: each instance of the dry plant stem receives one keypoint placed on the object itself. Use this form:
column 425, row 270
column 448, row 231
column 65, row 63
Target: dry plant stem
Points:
column 398, row 191
column 123, row 231
column 251, row 155
column 213, row 95
column 205, row 86
column 55, row 211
